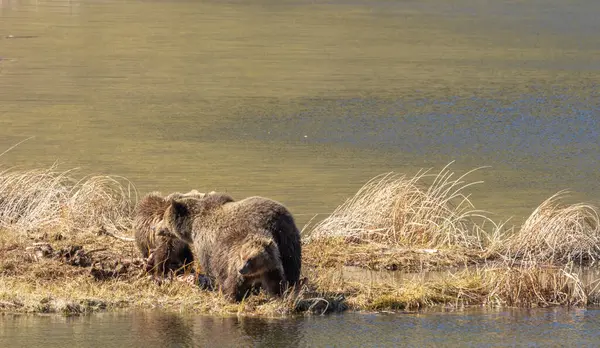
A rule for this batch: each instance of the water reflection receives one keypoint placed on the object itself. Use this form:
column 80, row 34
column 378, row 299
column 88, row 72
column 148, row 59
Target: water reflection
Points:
column 481, row 328
column 162, row 329
column 175, row 330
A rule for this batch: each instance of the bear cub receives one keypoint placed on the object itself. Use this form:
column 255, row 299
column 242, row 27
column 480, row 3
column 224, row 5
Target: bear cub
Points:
column 162, row 253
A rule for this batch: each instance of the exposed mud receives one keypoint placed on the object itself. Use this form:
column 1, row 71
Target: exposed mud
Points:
column 102, row 263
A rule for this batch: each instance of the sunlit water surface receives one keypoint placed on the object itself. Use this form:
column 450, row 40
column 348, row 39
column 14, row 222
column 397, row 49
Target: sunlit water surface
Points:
column 304, row 101
column 502, row 328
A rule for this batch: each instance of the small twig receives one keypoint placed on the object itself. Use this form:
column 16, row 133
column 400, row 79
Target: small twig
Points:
column 17, row 144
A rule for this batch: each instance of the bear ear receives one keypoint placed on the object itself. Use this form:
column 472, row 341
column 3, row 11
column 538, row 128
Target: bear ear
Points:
column 179, row 209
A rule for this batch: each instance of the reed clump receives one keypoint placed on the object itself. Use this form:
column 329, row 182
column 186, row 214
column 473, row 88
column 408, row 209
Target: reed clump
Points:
column 400, row 223
column 536, row 286
column 47, row 199
column 399, row 210
column 408, row 213
column 557, row 233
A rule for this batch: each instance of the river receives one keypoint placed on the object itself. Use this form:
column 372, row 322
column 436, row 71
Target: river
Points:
column 473, row 328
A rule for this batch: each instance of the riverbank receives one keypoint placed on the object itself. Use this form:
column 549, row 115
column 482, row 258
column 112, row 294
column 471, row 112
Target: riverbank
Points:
column 56, row 257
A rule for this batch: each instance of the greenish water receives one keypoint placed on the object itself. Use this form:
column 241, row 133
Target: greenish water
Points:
column 303, row 101
column 491, row 328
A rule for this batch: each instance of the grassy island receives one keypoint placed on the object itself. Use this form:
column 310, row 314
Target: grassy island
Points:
column 400, row 243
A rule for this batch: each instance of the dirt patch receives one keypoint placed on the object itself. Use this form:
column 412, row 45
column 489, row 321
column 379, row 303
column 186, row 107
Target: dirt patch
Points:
column 102, row 263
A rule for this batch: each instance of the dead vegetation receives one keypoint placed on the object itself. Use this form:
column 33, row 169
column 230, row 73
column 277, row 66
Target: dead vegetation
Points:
column 498, row 285
column 557, row 233
column 55, row 254
column 399, row 222
column 47, row 199
column 332, row 252
column 396, row 210
column 537, row 286
column 87, row 272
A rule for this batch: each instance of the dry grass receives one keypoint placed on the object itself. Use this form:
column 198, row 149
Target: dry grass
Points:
column 332, row 252
column 86, row 272
column 68, row 284
column 408, row 223
column 53, row 257
column 556, row 233
column 402, row 211
column 538, row 286
column 47, row 199
column 492, row 286
column 450, row 291
column 395, row 222
column 398, row 222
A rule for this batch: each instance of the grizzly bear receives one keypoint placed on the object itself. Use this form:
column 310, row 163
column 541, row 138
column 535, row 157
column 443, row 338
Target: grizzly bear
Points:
column 162, row 253
column 242, row 244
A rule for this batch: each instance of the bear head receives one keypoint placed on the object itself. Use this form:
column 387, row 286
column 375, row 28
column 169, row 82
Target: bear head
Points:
column 257, row 255
column 178, row 218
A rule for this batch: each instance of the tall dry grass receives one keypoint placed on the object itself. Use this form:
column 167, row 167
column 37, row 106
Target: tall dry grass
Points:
column 398, row 210
column 557, row 233
column 536, row 286
column 47, row 199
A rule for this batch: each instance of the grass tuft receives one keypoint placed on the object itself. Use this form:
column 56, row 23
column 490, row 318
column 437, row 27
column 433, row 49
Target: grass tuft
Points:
column 395, row 210
column 47, row 199
column 535, row 286
column 556, row 233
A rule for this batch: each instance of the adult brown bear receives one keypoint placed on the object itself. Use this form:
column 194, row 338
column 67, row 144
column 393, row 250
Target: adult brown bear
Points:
column 242, row 244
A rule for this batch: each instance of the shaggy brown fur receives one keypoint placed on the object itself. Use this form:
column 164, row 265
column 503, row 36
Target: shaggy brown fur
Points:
column 219, row 230
column 253, row 262
column 163, row 253
column 190, row 194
